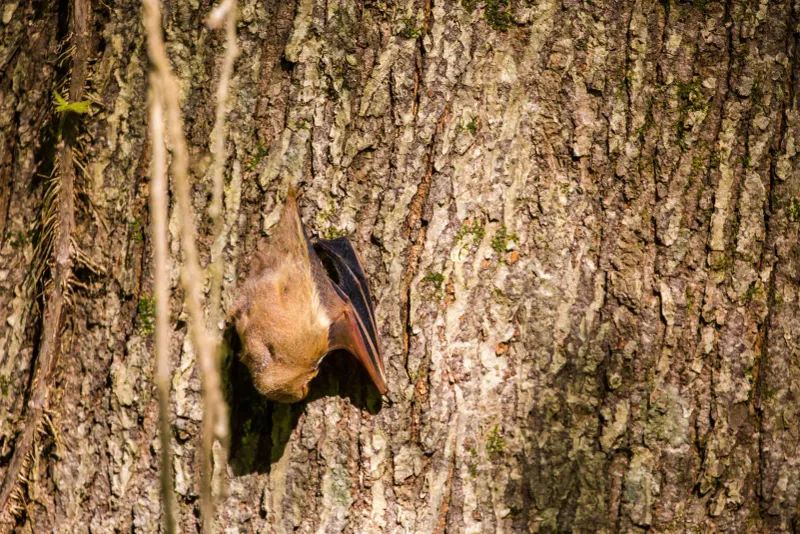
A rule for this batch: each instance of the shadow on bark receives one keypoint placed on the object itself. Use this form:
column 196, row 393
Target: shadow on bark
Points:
column 260, row 428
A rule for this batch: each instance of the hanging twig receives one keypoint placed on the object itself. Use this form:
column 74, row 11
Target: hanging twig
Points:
column 158, row 212
column 226, row 11
column 215, row 411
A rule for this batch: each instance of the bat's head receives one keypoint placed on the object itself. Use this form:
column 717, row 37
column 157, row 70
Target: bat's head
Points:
column 279, row 314
column 282, row 334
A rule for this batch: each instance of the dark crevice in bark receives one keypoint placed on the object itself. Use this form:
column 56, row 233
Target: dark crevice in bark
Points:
column 6, row 179
column 626, row 79
column 310, row 144
column 392, row 104
column 139, row 240
column 701, row 444
column 9, row 59
column 418, row 57
column 416, row 226
column 708, row 183
column 770, row 252
column 427, row 24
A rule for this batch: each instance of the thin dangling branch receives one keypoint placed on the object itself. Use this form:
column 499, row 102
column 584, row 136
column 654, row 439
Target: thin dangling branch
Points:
column 166, row 88
column 225, row 12
column 158, row 212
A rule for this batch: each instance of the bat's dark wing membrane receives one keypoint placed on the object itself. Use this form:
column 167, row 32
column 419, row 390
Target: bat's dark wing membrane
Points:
column 344, row 269
column 344, row 260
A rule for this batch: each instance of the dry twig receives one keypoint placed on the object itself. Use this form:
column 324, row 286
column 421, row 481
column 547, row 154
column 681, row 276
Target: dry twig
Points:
column 215, row 410
column 158, row 212
column 225, row 11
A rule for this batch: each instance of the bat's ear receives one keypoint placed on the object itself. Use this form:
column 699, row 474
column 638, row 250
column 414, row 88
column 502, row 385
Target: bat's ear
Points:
column 349, row 333
column 289, row 236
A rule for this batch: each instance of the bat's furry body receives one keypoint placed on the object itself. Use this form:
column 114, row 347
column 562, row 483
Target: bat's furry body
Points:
column 292, row 311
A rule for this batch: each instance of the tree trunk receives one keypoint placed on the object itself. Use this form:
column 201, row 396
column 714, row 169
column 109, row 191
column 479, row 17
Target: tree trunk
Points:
column 581, row 225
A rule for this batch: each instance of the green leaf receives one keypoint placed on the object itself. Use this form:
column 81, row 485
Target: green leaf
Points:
column 61, row 101
column 81, row 108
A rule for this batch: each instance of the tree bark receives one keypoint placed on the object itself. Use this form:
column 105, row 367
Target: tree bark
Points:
column 580, row 220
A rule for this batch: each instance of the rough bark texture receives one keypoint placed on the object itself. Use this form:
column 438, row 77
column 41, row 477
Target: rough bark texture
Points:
column 581, row 220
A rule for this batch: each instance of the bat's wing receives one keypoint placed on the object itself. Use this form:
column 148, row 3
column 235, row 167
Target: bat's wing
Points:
column 355, row 331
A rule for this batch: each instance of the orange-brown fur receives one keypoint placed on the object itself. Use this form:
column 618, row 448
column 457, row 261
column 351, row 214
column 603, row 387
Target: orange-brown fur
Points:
column 280, row 314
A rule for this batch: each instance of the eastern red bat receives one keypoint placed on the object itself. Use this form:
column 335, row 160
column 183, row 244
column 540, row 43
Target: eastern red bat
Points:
column 302, row 300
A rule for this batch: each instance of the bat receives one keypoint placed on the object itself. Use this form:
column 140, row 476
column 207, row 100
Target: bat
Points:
column 303, row 299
